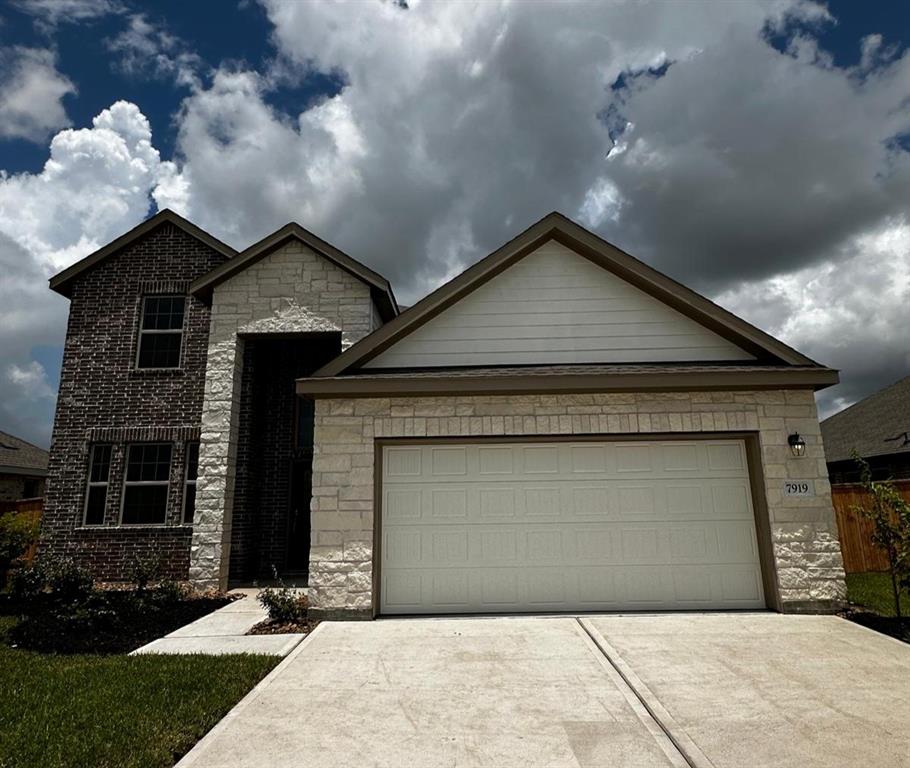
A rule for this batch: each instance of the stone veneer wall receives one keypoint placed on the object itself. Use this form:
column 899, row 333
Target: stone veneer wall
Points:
column 291, row 290
column 804, row 534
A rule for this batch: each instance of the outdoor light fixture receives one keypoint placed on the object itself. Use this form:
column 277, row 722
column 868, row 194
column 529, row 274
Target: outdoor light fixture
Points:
column 797, row 445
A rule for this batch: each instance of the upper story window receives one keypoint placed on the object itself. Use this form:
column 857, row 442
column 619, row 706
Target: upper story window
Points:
column 145, row 488
column 161, row 332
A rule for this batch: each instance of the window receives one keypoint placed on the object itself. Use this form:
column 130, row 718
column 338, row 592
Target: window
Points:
column 161, row 332
column 98, row 474
column 148, row 467
column 189, row 485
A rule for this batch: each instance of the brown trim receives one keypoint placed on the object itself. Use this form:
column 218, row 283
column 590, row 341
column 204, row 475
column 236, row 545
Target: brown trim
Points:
column 8, row 469
column 379, row 286
column 62, row 281
column 754, row 466
column 770, row 582
column 555, row 226
column 377, row 525
column 670, row 381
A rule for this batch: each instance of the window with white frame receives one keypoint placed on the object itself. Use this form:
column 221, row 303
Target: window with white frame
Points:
column 145, row 486
column 161, row 332
column 99, row 472
column 189, row 483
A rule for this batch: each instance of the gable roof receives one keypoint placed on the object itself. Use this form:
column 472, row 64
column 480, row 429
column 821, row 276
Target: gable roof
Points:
column 555, row 226
column 62, row 281
column 870, row 424
column 18, row 457
column 380, row 288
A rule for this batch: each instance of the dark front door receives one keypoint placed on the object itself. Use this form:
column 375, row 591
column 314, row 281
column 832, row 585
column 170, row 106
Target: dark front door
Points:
column 298, row 552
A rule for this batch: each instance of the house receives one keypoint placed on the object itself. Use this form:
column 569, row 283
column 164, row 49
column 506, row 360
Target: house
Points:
column 23, row 467
column 877, row 429
column 560, row 427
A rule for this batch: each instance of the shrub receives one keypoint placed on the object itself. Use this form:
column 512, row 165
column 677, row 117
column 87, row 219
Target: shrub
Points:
column 284, row 605
column 27, row 583
column 18, row 531
column 68, row 582
column 170, row 591
column 144, row 569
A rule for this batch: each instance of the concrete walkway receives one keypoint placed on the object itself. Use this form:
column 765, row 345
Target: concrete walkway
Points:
column 689, row 691
column 224, row 631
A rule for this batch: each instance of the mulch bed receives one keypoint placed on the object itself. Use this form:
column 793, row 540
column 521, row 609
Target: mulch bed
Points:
column 107, row 621
column 269, row 627
column 887, row 625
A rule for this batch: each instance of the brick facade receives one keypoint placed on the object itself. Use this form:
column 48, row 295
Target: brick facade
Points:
column 806, row 551
column 104, row 398
column 292, row 290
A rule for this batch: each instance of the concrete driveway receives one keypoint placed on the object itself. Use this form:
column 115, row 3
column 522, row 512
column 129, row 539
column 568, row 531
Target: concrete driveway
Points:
column 718, row 690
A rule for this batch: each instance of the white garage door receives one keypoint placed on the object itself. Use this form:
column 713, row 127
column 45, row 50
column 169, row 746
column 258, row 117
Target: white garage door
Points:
column 567, row 526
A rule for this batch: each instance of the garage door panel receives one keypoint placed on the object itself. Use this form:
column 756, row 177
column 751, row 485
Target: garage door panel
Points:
column 497, row 546
column 447, row 504
column 568, row 526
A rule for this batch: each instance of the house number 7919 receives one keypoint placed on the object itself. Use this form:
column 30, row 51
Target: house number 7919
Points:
column 798, row 488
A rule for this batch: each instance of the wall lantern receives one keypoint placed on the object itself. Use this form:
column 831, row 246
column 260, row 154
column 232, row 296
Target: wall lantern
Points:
column 797, row 445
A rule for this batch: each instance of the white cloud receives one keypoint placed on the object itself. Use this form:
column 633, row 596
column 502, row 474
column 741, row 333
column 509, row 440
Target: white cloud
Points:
column 145, row 48
column 31, row 380
column 97, row 184
column 52, row 12
column 851, row 311
column 31, row 94
column 27, row 400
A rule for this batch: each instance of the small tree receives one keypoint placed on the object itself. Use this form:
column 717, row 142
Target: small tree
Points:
column 889, row 513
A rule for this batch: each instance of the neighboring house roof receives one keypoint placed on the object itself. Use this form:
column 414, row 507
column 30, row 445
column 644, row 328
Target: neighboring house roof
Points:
column 870, row 426
column 18, row 457
column 766, row 349
column 379, row 287
column 62, row 282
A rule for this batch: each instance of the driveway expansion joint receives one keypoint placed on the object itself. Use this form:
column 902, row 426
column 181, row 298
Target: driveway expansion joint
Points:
column 682, row 744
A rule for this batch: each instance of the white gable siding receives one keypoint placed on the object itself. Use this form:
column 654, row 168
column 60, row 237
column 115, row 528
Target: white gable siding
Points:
column 555, row 306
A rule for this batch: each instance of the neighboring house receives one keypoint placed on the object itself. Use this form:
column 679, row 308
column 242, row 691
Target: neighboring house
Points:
column 877, row 429
column 560, row 427
column 23, row 467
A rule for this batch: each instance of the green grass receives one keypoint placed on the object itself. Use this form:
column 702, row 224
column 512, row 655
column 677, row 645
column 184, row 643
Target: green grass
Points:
column 121, row 711
column 873, row 591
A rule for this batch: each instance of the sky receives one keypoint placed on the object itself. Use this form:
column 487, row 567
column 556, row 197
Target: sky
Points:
column 757, row 151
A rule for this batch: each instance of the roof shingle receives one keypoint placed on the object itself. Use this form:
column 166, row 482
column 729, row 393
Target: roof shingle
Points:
column 869, row 425
column 20, row 457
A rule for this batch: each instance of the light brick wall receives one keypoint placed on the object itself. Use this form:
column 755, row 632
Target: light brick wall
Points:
column 292, row 289
column 804, row 534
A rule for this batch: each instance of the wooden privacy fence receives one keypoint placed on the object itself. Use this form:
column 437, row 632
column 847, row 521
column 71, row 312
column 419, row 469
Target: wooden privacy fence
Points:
column 31, row 507
column 855, row 531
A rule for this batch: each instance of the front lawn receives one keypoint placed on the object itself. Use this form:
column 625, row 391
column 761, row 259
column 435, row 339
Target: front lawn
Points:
column 873, row 592
column 872, row 604
column 81, row 710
